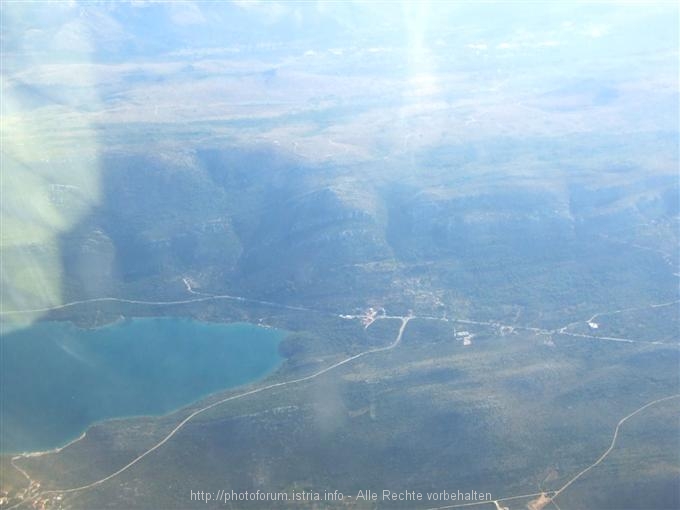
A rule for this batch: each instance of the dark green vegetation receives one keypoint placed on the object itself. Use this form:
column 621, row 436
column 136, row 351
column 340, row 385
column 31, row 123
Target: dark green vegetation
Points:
column 508, row 414
column 552, row 243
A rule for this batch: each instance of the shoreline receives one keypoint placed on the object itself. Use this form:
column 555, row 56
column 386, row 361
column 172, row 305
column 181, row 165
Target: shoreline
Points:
column 273, row 371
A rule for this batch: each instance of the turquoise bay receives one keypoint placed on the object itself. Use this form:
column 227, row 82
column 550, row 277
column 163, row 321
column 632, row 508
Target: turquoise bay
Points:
column 58, row 379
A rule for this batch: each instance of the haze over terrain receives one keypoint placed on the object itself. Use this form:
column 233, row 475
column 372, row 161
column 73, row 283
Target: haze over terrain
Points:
column 464, row 217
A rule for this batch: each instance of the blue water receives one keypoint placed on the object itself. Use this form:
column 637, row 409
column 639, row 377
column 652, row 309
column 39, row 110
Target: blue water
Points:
column 57, row 379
